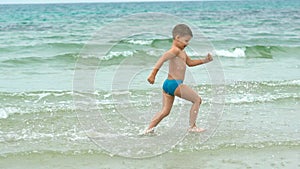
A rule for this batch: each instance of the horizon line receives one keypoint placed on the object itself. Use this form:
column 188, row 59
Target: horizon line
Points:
column 105, row 1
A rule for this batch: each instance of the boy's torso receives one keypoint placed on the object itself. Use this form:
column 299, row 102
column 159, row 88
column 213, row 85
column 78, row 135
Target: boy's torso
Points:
column 177, row 66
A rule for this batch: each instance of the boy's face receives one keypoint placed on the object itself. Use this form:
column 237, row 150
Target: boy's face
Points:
column 183, row 41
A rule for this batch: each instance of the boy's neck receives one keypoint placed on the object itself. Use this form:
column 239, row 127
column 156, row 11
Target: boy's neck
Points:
column 175, row 46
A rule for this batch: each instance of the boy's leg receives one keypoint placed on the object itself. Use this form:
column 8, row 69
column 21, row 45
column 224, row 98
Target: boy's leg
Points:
column 187, row 93
column 167, row 106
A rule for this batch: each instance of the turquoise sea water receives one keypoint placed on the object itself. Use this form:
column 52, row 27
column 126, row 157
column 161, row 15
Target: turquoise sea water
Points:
column 256, row 42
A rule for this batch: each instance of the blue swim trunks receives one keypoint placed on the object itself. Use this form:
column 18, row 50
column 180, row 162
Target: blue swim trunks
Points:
column 170, row 85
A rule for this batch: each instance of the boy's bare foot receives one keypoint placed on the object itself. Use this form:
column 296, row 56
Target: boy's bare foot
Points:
column 149, row 131
column 196, row 130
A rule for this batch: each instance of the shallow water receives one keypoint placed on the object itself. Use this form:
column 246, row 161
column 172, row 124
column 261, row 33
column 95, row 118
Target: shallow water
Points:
column 257, row 44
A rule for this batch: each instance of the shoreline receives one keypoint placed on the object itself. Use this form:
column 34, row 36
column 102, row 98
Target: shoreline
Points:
column 268, row 157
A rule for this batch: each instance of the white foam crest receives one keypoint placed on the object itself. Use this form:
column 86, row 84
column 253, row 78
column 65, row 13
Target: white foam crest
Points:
column 140, row 42
column 6, row 111
column 251, row 98
column 112, row 55
column 292, row 82
column 236, row 53
column 27, row 134
column 3, row 114
column 283, row 83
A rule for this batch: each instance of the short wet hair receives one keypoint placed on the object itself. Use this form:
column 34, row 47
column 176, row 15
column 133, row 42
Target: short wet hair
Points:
column 181, row 30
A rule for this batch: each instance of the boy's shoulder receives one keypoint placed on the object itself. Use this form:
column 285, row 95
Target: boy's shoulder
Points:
column 174, row 51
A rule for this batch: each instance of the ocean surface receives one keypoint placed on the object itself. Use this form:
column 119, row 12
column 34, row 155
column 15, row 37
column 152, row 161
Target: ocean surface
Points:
column 42, row 114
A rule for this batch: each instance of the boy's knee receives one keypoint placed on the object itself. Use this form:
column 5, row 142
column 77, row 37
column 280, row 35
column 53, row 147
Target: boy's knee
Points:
column 165, row 113
column 199, row 100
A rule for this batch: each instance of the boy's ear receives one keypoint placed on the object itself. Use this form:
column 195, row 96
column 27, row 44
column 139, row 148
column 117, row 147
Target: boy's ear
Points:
column 177, row 37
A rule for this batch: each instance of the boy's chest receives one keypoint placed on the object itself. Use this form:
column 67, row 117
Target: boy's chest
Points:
column 179, row 61
column 181, row 57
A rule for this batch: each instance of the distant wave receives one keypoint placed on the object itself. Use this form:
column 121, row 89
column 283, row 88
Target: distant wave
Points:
column 60, row 58
column 148, row 42
column 45, row 46
column 257, row 51
column 112, row 55
column 238, row 52
column 69, row 52
column 139, row 41
column 235, row 53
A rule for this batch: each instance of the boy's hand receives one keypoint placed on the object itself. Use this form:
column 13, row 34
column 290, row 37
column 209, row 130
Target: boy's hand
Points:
column 151, row 79
column 208, row 58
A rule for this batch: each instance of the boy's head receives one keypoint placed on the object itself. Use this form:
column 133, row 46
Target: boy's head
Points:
column 181, row 30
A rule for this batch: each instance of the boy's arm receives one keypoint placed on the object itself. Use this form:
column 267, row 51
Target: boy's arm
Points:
column 196, row 62
column 157, row 66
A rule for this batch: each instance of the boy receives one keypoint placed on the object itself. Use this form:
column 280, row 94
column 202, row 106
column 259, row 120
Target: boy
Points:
column 173, row 85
